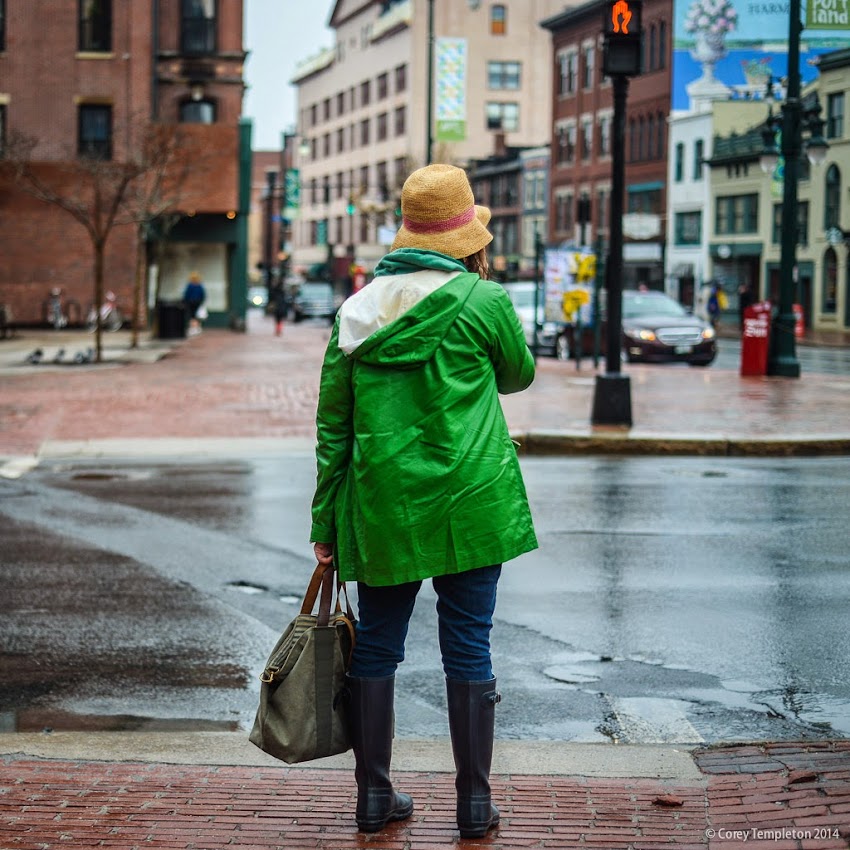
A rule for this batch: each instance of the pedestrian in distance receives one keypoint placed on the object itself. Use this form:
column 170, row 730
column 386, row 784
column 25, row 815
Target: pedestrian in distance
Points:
column 194, row 296
column 717, row 303
column 418, row 478
column 281, row 308
column 745, row 299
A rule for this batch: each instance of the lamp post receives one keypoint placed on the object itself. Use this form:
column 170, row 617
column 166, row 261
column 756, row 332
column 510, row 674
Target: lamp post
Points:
column 782, row 359
column 429, row 100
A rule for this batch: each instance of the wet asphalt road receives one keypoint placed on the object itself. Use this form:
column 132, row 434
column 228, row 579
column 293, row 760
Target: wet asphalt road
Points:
column 678, row 600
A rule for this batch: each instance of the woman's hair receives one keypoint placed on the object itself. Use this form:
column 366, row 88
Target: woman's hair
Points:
column 477, row 263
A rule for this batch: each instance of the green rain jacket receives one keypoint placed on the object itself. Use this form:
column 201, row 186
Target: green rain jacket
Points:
column 417, row 475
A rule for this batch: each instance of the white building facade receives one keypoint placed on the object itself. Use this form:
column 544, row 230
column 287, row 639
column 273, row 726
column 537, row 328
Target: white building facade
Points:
column 363, row 107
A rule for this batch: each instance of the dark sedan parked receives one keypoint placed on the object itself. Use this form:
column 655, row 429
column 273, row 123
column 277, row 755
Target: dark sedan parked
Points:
column 657, row 328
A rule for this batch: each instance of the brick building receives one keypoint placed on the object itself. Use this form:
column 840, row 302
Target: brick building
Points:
column 88, row 80
column 582, row 118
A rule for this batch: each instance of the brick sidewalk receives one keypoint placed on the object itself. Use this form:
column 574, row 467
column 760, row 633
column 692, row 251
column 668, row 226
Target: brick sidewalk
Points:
column 222, row 384
column 781, row 796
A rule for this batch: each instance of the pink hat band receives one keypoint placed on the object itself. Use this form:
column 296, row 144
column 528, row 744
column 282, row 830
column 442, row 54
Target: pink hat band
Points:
column 440, row 226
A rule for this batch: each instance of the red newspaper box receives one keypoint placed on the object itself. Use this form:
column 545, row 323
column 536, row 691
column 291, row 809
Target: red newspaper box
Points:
column 755, row 339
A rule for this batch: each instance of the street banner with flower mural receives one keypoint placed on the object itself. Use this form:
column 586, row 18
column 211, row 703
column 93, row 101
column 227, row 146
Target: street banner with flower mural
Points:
column 731, row 48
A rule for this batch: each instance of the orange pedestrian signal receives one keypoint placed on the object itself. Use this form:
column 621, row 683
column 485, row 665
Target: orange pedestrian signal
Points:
column 620, row 17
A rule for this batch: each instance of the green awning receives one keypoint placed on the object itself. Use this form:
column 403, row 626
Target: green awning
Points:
column 645, row 187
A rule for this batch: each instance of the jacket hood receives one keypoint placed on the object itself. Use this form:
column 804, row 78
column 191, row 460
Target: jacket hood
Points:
column 401, row 318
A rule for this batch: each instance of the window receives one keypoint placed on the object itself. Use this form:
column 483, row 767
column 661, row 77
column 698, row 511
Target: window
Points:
column 661, row 127
column 401, row 120
column 198, row 30
column 830, row 281
column 832, row 198
column 641, row 151
column 566, row 142
column 648, row 201
column 679, row 164
column 503, row 75
column 835, row 116
column 326, row 109
column 563, row 212
column 736, row 214
column 314, row 114
column 381, row 175
column 586, row 138
column 326, row 144
column 651, row 60
column 340, row 192
column 95, row 25
column 95, row 131
column 197, row 112
column 802, row 223
column 650, row 137
column 2, row 24
column 567, row 72
column 364, row 132
column 498, row 20
column 587, row 70
column 365, row 92
column 662, row 44
column 699, row 155
column 383, row 86
column 340, row 140
column 2, row 128
column 503, row 116
column 340, row 103
column 382, row 127
column 605, row 135
column 401, row 78
column 602, row 209
column 687, row 228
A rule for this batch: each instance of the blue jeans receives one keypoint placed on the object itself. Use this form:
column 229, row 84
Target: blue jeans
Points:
column 465, row 605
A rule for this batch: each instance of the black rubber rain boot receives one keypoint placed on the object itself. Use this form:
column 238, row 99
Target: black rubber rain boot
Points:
column 472, row 717
column 371, row 718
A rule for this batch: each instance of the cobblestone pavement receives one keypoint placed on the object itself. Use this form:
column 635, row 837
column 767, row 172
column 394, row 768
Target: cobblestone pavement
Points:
column 781, row 796
column 221, row 384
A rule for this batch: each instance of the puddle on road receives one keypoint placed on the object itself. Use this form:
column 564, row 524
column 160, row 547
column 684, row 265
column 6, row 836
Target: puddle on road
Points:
column 246, row 587
column 53, row 720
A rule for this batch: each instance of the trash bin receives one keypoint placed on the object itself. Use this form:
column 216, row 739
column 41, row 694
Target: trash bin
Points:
column 171, row 319
column 755, row 338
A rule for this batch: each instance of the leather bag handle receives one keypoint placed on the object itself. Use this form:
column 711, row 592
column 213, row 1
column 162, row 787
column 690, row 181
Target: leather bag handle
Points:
column 322, row 582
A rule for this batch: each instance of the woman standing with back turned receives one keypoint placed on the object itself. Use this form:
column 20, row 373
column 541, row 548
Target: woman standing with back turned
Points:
column 418, row 478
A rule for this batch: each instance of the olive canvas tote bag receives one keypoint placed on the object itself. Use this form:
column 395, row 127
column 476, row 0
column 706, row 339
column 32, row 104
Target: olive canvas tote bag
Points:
column 303, row 699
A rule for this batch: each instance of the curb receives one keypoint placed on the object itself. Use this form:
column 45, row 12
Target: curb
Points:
column 544, row 444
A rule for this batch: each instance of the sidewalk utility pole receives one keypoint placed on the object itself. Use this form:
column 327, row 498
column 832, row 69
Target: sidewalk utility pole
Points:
column 612, row 402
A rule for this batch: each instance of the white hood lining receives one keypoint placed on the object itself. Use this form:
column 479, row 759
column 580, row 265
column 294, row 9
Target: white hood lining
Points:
column 383, row 301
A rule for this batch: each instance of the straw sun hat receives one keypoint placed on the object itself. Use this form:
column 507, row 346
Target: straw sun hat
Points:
column 439, row 213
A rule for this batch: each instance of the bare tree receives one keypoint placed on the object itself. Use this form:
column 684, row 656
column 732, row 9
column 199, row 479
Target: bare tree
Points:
column 100, row 194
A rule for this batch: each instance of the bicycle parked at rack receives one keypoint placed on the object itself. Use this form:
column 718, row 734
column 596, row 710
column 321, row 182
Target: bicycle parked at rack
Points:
column 111, row 318
column 58, row 313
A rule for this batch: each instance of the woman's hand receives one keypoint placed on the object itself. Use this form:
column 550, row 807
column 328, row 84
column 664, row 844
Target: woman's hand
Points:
column 324, row 552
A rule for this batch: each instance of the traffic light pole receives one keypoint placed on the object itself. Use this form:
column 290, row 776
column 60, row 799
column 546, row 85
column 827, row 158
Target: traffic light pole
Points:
column 612, row 402
column 621, row 27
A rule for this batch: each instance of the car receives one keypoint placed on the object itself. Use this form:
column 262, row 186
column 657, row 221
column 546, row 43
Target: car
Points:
column 258, row 296
column 314, row 300
column 521, row 294
column 656, row 328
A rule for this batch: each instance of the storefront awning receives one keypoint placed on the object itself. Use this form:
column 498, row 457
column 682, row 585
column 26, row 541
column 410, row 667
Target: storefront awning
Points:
column 645, row 187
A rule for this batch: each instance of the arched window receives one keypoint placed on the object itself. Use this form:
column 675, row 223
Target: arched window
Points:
column 832, row 198
column 830, row 281
column 197, row 112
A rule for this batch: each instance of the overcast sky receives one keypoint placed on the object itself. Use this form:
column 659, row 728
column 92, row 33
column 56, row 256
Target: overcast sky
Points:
column 279, row 34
